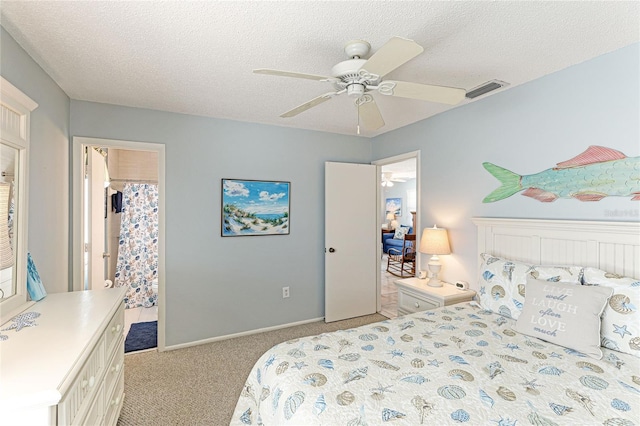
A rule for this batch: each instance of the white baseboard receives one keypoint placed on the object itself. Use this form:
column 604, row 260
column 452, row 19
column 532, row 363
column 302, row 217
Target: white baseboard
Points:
column 244, row 333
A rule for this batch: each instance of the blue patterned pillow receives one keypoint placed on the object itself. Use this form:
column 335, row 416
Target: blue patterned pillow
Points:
column 503, row 282
column 621, row 318
column 400, row 233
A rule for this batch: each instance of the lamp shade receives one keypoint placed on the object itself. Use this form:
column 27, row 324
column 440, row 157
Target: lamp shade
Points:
column 391, row 216
column 435, row 241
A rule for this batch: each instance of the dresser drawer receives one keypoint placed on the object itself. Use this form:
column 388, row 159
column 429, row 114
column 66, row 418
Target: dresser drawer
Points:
column 115, row 367
column 410, row 303
column 84, row 387
column 115, row 328
column 114, row 402
column 94, row 417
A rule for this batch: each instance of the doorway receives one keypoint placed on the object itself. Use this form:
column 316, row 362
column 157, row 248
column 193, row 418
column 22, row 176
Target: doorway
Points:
column 119, row 175
column 398, row 208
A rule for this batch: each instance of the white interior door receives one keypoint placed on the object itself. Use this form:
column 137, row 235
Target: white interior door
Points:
column 96, row 246
column 351, row 246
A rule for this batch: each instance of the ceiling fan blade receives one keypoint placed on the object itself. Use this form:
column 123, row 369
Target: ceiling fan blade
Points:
column 291, row 74
column 394, row 53
column 423, row 92
column 308, row 105
column 370, row 113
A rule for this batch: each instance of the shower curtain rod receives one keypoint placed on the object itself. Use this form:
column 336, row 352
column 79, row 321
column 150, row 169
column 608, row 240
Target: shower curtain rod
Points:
column 135, row 180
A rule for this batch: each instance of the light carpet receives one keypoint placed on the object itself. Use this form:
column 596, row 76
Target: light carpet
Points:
column 200, row 385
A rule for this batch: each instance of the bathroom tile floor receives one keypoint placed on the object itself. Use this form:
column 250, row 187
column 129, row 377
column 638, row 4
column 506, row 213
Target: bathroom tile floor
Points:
column 139, row 315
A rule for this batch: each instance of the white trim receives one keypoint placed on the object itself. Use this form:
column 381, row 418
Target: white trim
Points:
column 9, row 89
column 78, row 148
column 397, row 158
column 241, row 334
column 390, row 160
column 15, row 132
column 610, row 246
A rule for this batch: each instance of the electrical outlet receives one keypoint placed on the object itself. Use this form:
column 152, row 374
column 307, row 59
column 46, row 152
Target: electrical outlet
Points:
column 285, row 292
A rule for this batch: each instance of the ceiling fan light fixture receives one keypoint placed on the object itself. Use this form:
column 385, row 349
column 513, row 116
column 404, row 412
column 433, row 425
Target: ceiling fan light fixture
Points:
column 386, row 179
column 355, row 90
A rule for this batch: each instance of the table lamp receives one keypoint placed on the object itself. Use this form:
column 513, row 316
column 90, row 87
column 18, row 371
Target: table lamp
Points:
column 434, row 241
column 391, row 217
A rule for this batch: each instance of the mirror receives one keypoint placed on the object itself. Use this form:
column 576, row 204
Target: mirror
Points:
column 8, row 195
column 15, row 110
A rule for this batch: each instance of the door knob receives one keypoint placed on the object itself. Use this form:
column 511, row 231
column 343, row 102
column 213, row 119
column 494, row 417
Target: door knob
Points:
column 104, row 255
column 332, row 250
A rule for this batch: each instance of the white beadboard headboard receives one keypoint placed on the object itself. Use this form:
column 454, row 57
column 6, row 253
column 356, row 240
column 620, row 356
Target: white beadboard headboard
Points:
column 610, row 246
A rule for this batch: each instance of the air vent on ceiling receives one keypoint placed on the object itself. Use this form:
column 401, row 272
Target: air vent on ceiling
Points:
column 485, row 88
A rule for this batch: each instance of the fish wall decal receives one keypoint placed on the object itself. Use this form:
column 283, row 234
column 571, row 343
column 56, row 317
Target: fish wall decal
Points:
column 596, row 173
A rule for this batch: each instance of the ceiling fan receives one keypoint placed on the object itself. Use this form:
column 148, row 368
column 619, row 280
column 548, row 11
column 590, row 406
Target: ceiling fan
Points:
column 388, row 179
column 358, row 77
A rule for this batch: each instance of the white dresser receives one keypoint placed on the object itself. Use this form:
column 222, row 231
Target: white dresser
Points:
column 68, row 370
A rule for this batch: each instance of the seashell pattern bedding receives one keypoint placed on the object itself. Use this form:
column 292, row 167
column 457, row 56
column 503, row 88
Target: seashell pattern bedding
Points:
column 452, row 365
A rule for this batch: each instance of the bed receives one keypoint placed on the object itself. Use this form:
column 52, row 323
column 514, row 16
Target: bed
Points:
column 480, row 362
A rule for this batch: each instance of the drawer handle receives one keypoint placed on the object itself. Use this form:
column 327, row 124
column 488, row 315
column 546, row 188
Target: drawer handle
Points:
column 115, row 401
column 417, row 305
column 116, row 328
column 92, row 381
column 84, row 384
column 116, row 368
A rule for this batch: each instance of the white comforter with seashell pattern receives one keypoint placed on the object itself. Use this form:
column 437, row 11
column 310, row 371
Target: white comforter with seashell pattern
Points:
column 457, row 364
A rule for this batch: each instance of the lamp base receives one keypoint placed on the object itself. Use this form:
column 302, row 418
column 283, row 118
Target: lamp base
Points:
column 434, row 282
column 434, row 268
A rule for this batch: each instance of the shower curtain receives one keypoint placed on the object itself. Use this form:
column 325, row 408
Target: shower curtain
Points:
column 137, row 265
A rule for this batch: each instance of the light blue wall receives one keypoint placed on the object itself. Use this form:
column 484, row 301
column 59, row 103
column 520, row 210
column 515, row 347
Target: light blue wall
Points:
column 48, row 163
column 217, row 286
column 526, row 129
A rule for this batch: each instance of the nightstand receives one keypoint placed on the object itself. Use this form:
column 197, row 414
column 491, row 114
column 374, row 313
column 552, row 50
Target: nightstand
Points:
column 414, row 295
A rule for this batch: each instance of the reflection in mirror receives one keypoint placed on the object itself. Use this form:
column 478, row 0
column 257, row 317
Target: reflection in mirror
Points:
column 15, row 112
column 8, row 195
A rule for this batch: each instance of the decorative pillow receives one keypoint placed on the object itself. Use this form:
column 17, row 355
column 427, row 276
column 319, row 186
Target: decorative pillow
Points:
column 565, row 314
column 620, row 319
column 503, row 282
column 400, row 232
column 595, row 276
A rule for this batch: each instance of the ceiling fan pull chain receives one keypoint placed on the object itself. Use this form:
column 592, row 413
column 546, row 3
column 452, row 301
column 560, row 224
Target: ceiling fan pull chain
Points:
column 358, row 126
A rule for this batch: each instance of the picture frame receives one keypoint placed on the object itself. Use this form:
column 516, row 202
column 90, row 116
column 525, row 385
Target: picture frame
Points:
column 393, row 205
column 255, row 207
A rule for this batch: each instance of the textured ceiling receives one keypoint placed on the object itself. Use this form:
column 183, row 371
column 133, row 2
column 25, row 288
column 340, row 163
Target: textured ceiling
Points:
column 197, row 57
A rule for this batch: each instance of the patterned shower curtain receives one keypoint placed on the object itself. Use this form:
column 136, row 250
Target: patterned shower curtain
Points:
column 137, row 265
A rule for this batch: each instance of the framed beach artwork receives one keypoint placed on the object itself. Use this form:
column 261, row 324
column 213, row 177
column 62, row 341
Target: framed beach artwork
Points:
column 393, row 205
column 255, row 207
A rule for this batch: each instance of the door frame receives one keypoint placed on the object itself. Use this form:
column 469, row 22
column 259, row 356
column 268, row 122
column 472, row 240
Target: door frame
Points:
column 77, row 176
column 382, row 162
column 96, row 176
